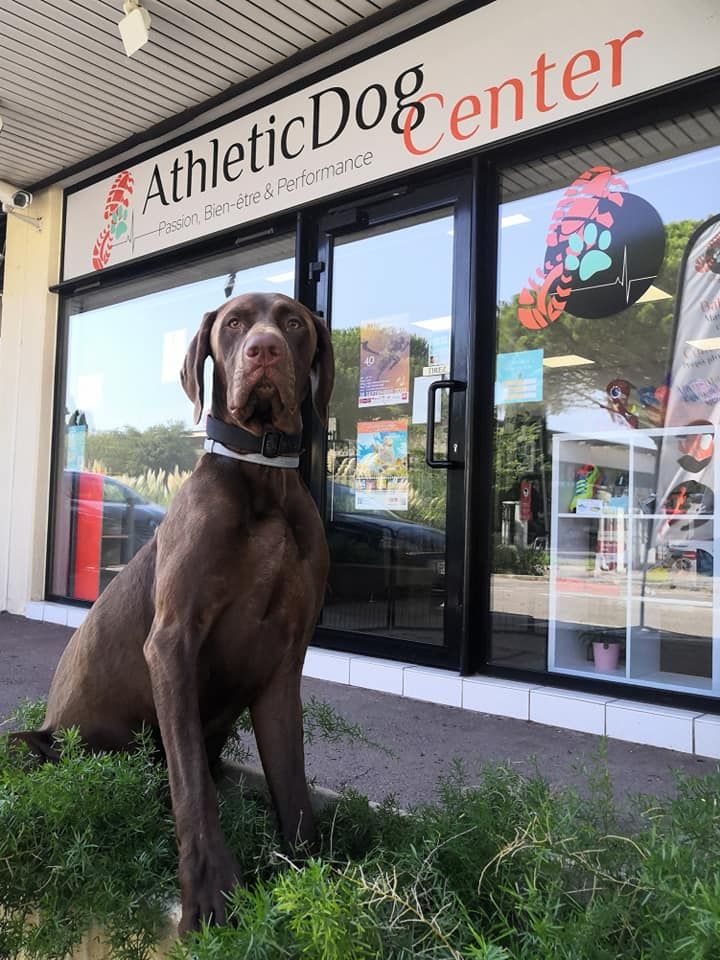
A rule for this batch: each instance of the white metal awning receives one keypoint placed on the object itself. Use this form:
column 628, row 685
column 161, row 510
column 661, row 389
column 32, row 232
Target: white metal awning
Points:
column 68, row 92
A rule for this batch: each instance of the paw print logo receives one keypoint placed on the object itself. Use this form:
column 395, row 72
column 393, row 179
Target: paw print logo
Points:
column 586, row 252
column 605, row 247
column 115, row 215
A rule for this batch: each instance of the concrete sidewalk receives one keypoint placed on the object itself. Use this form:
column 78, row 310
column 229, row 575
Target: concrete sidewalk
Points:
column 423, row 737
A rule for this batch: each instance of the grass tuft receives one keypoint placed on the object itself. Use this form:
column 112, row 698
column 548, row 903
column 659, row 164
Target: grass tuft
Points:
column 503, row 868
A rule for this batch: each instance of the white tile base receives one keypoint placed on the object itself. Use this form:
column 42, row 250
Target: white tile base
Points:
column 569, row 709
column 56, row 613
column 644, row 723
column 383, row 675
column 651, row 725
column 76, row 616
column 326, row 665
column 432, row 685
column 34, row 610
column 502, row 698
column 707, row 737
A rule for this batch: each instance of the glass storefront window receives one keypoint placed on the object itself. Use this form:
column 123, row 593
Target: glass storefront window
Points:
column 607, row 408
column 128, row 439
column 385, row 508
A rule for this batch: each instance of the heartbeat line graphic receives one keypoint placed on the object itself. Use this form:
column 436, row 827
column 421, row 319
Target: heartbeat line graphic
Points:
column 623, row 280
column 131, row 236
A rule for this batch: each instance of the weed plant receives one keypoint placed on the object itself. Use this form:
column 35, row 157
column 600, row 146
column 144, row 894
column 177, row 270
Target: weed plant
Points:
column 504, row 869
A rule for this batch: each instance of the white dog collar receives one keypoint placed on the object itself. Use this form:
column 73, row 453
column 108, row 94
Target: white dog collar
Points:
column 286, row 463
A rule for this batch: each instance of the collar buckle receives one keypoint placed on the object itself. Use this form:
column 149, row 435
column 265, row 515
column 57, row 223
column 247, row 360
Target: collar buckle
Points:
column 271, row 444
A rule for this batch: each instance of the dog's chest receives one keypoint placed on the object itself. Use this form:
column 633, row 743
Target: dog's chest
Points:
column 273, row 600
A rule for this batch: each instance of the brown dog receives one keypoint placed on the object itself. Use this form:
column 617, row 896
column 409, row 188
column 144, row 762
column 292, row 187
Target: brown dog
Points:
column 215, row 613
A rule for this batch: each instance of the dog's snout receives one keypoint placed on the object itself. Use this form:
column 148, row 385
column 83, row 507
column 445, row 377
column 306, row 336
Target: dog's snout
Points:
column 263, row 347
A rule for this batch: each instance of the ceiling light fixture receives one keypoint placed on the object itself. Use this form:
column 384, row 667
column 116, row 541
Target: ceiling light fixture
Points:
column 437, row 323
column 568, row 360
column 711, row 343
column 513, row 220
column 281, row 277
column 134, row 27
column 654, row 293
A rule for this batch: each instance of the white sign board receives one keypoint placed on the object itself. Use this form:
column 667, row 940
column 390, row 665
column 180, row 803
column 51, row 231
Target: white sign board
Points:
column 501, row 70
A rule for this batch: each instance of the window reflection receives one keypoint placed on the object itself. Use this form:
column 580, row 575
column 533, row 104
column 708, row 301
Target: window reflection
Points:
column 607, row 408
column 385, row 509
column 129, row 441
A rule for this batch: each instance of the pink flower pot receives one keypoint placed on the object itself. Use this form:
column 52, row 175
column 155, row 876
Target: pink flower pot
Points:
column 606, row 656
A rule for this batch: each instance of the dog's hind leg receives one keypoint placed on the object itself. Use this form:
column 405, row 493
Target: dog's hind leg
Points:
column 39, row 742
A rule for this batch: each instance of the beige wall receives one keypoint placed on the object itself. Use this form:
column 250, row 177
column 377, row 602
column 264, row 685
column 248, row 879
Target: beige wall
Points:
column 27, row 359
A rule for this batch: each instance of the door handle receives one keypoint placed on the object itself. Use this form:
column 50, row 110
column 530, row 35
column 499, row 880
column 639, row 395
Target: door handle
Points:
column 430, row 460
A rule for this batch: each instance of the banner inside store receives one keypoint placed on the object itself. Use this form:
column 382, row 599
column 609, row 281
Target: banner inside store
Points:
column 506, row 68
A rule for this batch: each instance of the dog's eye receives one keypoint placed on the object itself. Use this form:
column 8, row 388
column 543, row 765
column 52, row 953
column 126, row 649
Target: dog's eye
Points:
column 293, row 324
column 235, row 322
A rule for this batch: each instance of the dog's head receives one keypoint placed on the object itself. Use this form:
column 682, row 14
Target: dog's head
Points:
column 267, row 351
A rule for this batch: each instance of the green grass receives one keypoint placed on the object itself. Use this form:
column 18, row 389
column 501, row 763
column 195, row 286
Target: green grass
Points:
column 504, row 869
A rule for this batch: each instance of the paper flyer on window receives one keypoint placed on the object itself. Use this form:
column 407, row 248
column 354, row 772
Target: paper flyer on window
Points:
column 519, row 377
column 384, row 365
column 381, row 476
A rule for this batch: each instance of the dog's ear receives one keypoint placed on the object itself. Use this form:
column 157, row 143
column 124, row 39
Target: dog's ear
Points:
column 192, row 373
column 322, row 372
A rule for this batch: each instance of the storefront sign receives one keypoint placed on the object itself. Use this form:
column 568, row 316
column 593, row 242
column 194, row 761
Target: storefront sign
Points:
column 496, row 72
column 381, row 474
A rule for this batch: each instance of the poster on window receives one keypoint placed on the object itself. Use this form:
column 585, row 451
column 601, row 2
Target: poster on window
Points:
column 438, row 354
column 76, row 441
column 384, row 365
column 519, row 377
column 381, row 476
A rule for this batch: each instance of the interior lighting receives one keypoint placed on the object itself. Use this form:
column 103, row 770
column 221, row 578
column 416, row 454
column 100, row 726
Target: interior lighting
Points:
column 437, row 323
column 712, row 343
column 568, row 360
column 281, row 277
column 654, row 293
column 513, row 219
column 134, row 27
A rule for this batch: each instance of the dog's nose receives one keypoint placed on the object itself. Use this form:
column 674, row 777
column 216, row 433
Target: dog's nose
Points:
column 263, row 347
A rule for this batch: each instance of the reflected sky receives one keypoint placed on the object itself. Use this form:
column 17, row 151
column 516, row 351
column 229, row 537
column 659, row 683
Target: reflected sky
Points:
column 124, row 360
column 682, row 188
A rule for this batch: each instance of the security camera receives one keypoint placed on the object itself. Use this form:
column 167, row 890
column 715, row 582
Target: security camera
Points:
column 12, row 198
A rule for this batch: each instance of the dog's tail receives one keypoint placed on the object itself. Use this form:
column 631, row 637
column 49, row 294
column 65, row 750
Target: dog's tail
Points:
column 40, row 743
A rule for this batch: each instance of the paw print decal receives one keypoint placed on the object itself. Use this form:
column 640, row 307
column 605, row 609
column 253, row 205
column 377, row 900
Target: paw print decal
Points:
column 584, row 256
column 604, row 248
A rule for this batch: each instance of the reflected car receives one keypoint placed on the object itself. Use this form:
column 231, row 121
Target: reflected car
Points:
column 127, row 520
column 378, row 554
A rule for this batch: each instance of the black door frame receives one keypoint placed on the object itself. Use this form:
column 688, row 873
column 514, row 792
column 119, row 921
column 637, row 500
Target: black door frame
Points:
column 394, row 204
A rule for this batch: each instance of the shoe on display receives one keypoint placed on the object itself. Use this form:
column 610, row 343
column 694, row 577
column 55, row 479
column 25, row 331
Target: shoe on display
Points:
column 587, row 480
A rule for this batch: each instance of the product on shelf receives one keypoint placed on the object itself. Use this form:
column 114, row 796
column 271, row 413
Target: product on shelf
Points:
column 587, row 480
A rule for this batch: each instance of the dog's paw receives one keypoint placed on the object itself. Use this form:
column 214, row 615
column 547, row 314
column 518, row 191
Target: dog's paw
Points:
column 207, row 874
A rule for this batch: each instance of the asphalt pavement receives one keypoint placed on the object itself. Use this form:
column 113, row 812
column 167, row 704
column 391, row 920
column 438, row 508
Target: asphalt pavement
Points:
column 423, row 739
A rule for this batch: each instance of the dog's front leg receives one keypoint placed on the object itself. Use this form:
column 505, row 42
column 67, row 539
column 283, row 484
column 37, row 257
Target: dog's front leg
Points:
column 207, row 869
column 277, row 722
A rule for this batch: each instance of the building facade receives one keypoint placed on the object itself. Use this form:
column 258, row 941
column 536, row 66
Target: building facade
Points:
column 511, row 224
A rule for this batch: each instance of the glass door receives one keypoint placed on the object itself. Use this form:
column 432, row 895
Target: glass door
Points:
column 393, row 483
